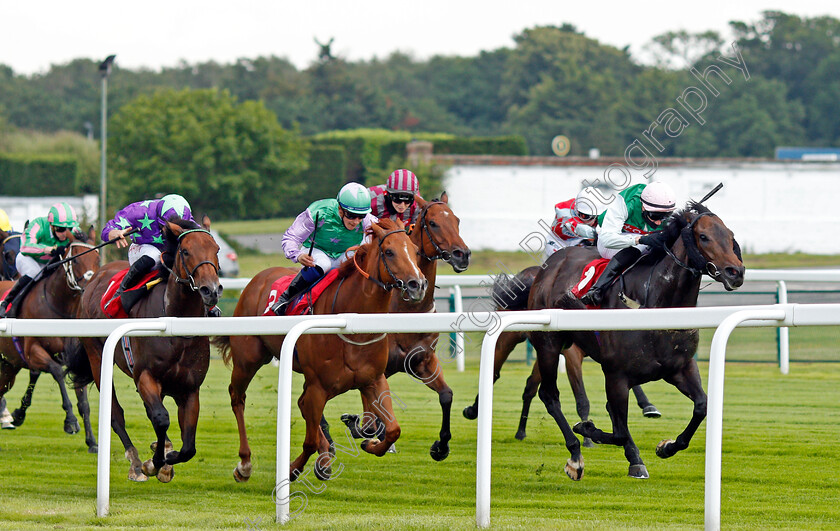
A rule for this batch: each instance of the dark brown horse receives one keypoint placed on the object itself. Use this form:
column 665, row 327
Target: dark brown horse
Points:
column 437, row 236
column 511, row 294
column 694, row 242
column 9, row 248
column 163, row 366
column 331, row 364
column 54, row 294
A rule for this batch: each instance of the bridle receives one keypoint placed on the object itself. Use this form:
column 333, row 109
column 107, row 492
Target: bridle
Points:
column 446, row 256
column 397, row 283
column 698, row 264
column 189, row 277
column 72, row 279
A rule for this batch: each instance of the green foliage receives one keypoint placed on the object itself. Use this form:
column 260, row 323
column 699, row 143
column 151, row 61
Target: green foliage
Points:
column 86, row 153
column 25, row 174
column 227, row 158
column 323, row 178
column 497, row 145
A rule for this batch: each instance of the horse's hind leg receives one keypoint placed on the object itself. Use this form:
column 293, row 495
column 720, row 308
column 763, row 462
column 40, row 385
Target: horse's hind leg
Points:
column 429, row 372
column 379, row 396
column 248, row 355
column 648, row 409
column 548, row 353
column 532, row 385
column 39, row 358
column 689, row 383
column 84, row 410
column 311, row 404
column 188, row 408
column 574, row 371
column 151, row 393
column 19, row 415
column 504, row 346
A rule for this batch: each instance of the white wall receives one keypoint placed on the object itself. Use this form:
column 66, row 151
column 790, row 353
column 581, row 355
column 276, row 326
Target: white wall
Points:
column 771, row 207
column 22, row 209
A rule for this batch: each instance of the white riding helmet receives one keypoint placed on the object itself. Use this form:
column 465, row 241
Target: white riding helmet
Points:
column 659, row 197
column 588, row 203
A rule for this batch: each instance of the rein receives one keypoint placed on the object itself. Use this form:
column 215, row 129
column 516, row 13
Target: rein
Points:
column 424, row 229
column 397, row 283
column 700, row 264
column 189, row 278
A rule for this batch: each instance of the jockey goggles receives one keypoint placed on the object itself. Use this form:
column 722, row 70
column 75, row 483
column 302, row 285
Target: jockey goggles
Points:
column 656, row 216
column 586, row 217
column 351, row 215
column 402, row 198
column 59, row 229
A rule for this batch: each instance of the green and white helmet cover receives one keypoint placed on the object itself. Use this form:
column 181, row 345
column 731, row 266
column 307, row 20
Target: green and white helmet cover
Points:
column 355, row 198
column 62, row 215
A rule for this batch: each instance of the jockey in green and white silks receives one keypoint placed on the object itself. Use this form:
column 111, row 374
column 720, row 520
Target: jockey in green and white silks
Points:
column 342, row 223
column 637, row 212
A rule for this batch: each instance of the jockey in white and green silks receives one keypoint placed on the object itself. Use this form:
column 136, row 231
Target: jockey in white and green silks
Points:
column 342, row 223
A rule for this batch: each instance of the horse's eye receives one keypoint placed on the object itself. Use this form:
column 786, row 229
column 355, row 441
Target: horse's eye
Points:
column 704, row 238
column 185, row 253
column 432, row 224
column 389, row 253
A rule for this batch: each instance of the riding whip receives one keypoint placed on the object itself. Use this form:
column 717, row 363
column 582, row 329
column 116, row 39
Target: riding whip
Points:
column 713, row 192
column 103, row 244
column 314, row 232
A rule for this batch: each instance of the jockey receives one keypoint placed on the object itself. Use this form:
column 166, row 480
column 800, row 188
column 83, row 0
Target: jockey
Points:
column 342, row 223
column 149, row 218
column 44, row 239
column 625, row 227
column 395, row 199
column 575, row 222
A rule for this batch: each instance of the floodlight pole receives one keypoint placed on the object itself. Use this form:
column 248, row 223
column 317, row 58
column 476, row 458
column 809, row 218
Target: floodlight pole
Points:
column 105, row 71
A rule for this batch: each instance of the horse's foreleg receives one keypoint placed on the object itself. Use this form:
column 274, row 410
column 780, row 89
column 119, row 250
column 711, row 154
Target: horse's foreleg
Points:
column 19, row 415
column 152, row 395
column 648, row 409
column 311, row 404
column 689, row 383
column 188, row 408
column 84, row 411
column 247, row 359
column 504, row 346
column 379, row 396
column 548, row 358
column 71, row 423
column 532, row 385
column 430, row 374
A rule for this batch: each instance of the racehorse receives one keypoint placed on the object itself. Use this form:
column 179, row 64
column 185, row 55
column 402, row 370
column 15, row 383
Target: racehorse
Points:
column 693, row 242
column 512, row 294
column 9, row 248
column 331, row 364
column 54, row 294
column 162, row 366
column 437, row 236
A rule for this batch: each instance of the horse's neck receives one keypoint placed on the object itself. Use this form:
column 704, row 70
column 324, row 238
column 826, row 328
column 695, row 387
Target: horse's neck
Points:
column 676, row 287
column 180, row 301
column 59, row 296
column 358, row 294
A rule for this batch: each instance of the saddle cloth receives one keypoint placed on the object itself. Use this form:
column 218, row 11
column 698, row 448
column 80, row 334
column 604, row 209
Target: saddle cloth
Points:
column 113, row 307
column 302, row 304
column 591, row 272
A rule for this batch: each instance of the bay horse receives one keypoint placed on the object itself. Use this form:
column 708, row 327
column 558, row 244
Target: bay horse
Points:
column 54, row 294
column 162, row 366
column 331, row 364
column 511, row 294
column 9, row 248
column 693, row 242
column 437, row 235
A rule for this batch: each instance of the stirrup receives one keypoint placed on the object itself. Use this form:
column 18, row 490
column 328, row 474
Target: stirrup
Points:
column 592, row 298
column 280, row 306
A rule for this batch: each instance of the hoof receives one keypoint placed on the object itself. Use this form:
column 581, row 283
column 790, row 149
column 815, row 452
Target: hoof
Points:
column 166, row 447
column 93, row 449
column 368, row 442
column 439, row 451
column 587, row 443
column 7, row 425
column 242, row 473
column 392, row 449
column 149, row 469
column 71, row 427
column 471, row 412
column 520, row 435
column 136, row 475
column 323, row 472
column 666, row 448
column 574, row 469
column 293, row 474
column 18, row 416
column 166, row 473
column 638, row 472
column 584, row 427
column 651, row 412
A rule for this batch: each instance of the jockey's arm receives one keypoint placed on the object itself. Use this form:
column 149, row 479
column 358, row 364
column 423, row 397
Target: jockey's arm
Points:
column 296, row 234
column 368, row 220
column 611, row 235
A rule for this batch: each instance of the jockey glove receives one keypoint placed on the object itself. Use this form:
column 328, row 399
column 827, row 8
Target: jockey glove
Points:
column 55, row 253
column 656, row 239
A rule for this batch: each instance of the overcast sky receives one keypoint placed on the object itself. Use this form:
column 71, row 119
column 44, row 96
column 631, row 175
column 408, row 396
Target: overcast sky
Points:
column 154, row 33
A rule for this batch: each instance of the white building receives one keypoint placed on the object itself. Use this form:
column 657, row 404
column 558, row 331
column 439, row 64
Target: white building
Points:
column 22, row 209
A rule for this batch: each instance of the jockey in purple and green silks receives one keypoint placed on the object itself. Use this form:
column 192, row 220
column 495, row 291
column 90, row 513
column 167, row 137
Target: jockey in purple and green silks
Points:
column 43, row 239
column 148, row 217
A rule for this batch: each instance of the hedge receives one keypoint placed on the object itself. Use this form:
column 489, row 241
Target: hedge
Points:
column 324, row 177
column 27, row 174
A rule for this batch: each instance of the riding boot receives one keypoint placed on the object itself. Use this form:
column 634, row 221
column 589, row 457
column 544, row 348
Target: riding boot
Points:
column 305, row 278
column 138, row 270
column 617, row 265
column 16, row 294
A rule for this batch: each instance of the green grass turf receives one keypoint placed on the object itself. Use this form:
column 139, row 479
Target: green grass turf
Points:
column 780, row 467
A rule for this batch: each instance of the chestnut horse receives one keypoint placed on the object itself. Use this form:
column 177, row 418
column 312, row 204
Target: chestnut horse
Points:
column 437, row 236
column 512, row 294
column 331, row 364
column 694, row 242
column 163, row 366
column 54, row 294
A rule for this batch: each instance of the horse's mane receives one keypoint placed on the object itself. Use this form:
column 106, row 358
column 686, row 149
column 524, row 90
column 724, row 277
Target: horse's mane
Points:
column 388, row 225
column 171, row 249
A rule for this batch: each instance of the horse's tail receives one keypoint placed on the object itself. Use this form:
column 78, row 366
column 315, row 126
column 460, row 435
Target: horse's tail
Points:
column 511, row 293
column 223, row 344
column 76, row 363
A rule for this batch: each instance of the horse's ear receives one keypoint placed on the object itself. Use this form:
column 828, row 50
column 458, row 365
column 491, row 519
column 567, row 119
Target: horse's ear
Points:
column 205, row 221
column 3, row 235
column 91, row 234
column 174, row 229
column 420, row 201
column 378, row 231
column 444, row 197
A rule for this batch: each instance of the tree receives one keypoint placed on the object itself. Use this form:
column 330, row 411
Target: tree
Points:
column 681, row 49
column 230, row 159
